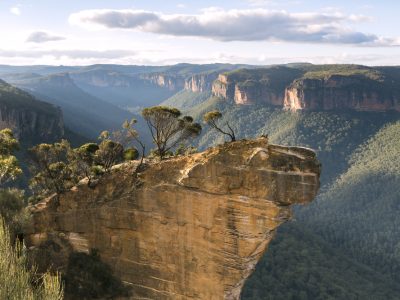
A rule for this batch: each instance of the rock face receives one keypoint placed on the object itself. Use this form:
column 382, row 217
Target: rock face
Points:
column 101, row 78
column 255, row 86
column 346, row 87
column 251, row 93
column 191, row 227
column 341, row 92
column 171, row 82
column 30, row 119
column 222, row 87
column 200, row 82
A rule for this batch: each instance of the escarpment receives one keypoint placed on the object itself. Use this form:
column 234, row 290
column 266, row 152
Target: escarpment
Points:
column 198, row 83
column 170, row 82
column 190, row 227
column 314, row 88
column 255, row 86
column 30, row 119
column 341, row 92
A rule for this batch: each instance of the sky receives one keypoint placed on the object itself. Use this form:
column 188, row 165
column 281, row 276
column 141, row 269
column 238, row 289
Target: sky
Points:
column 146, row 32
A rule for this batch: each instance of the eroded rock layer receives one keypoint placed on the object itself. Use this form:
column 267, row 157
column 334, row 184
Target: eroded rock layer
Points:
column 341, row 92
column 191, row 227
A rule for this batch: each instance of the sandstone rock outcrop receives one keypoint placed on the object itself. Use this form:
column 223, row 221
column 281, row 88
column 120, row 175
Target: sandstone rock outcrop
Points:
column 190, row 227
column 323, row 88
column 341, row 92
column 200, row 82
column 170, row 82
column 222, row 87
column 101, row 78
column 255, row 86
column 252, row 93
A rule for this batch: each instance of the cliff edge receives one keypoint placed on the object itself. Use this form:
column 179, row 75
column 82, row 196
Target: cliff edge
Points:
column 31, row 120
column 191, row 227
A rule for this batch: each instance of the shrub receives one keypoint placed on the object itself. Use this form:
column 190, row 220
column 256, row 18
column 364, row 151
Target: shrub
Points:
column 16, row 280
column 131, row 154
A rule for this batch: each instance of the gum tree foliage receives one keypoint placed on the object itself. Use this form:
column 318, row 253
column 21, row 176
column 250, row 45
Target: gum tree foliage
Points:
column 131, row 154
column 128, row 136
column 11, row 200
column 110, row 152
column 82, row 161
column 212, row 117
column 9, row 167
column 168, row 129
column 52, row 172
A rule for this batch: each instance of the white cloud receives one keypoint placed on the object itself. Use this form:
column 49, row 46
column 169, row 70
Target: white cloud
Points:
column 237, row 25
column 43, row 37
column 15, row 10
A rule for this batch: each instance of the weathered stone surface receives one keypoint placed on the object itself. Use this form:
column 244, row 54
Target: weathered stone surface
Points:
column 341, row 92
column 170, row 82
column 198, row 83
column 255, row 86
column 190, row 227
column 291, row 90
column 223, row 88
column 252, row 94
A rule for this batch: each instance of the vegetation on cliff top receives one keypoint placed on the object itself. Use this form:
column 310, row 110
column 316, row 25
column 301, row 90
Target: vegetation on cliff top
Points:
column 323, row 71
column 276, row 78
column 14, row 98
column 384, row 80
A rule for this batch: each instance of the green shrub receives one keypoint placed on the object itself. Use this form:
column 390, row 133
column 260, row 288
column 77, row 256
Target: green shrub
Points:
column 16, row 280
column 131, row 154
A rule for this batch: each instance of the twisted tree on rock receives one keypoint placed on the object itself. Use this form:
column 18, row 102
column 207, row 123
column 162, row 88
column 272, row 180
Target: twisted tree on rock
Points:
column 168, row 129
column 212, row 117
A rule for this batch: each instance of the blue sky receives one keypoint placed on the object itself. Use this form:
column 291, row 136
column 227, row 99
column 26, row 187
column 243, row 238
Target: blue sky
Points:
column 167, row 32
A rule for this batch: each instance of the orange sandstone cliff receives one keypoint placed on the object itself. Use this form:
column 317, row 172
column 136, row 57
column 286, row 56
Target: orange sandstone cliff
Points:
column 341, row 92
column 191, row 227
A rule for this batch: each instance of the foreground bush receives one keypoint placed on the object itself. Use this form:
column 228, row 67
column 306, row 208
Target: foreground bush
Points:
column 17, row 282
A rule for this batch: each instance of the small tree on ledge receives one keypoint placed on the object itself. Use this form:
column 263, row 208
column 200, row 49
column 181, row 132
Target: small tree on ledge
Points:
column 212, row 117
column 168, row 129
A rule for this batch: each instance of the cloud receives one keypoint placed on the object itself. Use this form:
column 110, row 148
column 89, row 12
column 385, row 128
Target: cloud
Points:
column 76, row 54
column 237, row 25
column 43, row 37
column 261, row 2
column 15, row 10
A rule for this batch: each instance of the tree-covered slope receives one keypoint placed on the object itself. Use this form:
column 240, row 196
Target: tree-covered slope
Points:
column 360, row 211
column 83, row 113
column 353, row 221
column 186, row 99
column 334, row 135
column 119, row 89
column 300, row 265
column 31, row 120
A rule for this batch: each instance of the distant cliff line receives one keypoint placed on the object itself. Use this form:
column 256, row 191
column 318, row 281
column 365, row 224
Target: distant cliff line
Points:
column 297, row 87
column 322, row 88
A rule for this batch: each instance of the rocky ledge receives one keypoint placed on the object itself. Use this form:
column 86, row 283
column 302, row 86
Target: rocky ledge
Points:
column 191, row 227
